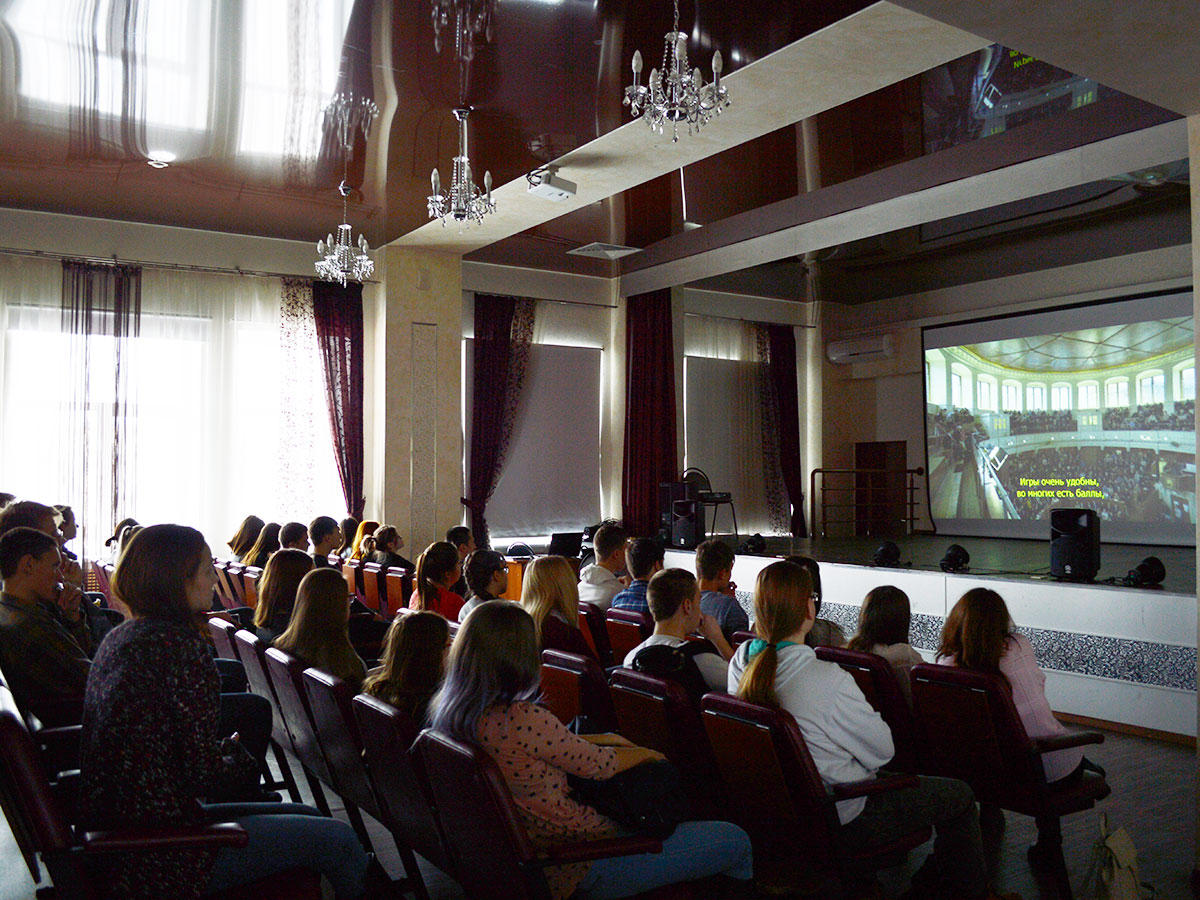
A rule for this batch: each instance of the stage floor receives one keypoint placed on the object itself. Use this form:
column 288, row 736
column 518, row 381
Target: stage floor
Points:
column 1002, row 557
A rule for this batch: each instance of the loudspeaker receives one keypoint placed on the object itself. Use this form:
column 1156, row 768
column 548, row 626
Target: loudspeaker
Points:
column 668, row 493
column 1074, row 544
column 687, row 525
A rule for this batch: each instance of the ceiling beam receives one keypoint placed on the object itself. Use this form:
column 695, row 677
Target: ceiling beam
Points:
column 876, row 47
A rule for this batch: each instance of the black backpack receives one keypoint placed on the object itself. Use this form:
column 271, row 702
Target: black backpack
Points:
column 677, row 664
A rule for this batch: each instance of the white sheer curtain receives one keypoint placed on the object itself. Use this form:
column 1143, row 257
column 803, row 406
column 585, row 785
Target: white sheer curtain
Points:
column 207, row 383
column 723, row 415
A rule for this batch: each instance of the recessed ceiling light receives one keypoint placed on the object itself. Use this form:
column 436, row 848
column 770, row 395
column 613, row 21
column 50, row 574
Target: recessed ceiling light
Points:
column 160, row 159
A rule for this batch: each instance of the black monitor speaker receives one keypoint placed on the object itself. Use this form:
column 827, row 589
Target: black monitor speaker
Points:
column 1074, row 544
column 687, row 524
column 668, row 493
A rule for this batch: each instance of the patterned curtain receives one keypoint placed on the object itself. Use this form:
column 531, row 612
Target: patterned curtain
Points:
column 295, row 476
column 101, row 312
column 503, row 337
column 338, row 314
column 781, row 428
column 650, row 456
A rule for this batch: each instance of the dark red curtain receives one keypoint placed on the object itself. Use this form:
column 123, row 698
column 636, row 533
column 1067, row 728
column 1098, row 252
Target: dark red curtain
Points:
column 781, row 369
column 338, row 312
column 649, row 409
column 492, row 359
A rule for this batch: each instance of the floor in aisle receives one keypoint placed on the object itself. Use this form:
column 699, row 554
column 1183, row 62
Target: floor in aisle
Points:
column 1153, row 797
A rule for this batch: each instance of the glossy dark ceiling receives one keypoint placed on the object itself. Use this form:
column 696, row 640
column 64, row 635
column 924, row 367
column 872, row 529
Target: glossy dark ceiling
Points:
column 234, row 89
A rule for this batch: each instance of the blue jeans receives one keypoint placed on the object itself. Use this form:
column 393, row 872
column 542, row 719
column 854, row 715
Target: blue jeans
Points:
column 287, row 836
column 696, row 850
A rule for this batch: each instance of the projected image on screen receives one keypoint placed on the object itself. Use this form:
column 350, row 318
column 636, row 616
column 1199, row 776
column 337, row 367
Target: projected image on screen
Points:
column 1100, row 416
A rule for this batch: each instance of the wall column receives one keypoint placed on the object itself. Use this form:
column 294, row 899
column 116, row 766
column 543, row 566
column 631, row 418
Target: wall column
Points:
column 1194, row 156
column 414, row 435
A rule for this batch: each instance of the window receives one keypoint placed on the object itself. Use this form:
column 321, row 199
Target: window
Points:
column 956, row 389
column 1116, row 392
column 1185, row 389
column 1151, row 387
column 1089, row 395
column 987, row 393
column 1012, row 396
column 1035, row 396
column 1060, row 396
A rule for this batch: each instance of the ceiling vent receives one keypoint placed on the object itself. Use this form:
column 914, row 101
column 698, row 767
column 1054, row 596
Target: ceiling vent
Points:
column 597, row 250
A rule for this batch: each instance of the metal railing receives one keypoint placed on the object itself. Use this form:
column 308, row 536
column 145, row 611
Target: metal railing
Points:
column 867, row 498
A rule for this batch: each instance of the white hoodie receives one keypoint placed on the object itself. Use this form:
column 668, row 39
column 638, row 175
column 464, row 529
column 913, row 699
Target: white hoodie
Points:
column 847, row 738
column 598, row 586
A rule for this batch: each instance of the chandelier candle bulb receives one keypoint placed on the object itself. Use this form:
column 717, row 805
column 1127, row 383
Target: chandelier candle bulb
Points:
column 437, row 182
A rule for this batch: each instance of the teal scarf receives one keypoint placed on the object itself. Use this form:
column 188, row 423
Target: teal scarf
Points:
column 758, row 645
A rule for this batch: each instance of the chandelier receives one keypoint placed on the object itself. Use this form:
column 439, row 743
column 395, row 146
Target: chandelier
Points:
column 463, row 201
column 343, row 259
column 471, row 19
column 676, row 93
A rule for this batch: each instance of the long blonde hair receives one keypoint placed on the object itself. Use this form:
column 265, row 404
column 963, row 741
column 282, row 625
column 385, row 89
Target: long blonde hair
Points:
column 318, row 632
column 278, row 584
column 549, row 584
column 781, row 598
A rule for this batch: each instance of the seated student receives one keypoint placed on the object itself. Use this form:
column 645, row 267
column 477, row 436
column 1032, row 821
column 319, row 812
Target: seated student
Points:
column 674, row 598
column 414, row 657
column 883, row 630
column 848, row 740
column 486, row 574
column 549, row 595
column 489, row 699
column 294, row 536
column 979, row 635
column 599, row 583
column 366, row 528
column 383, row 547
column 349, row 526
column 266, row 544
column 824, row 633
column 718, row 595
column 111, row 542
column 318, row 633
column 325, row 535
column 150, row 750
column 437, row 569
column 45, row 644
column 643, row 558
column 277, row 587
column 243, row 539
column 464, row 542
column 67, row 529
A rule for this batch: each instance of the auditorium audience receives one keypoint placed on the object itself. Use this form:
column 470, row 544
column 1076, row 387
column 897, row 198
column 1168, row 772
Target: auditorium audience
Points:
column 294, row 536
column 325, row 535
column 277, row 587
column 549, row 593
column 67, row 528
column 414, row 655
column 1040, row 421
column 318, row 633
column 643, row 557
column 45, row 643
column 489, row 700
column 266, row 544
column 601, row 581
column 883, row 622
column 486, row 574
column 152, row 748
column 383, row 548
column 437, row 569
column 464, row 542
column 674, row 598
column 112, row 542
column 718, row 593
column 823, row 633
column 366, row 528
column 979, row 635
column 349, row 526
column 849, row 741
column 243, row 539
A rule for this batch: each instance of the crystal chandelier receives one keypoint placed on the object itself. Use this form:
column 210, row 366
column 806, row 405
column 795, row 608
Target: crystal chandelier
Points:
column 463, row 201
column 676, row 93
column 342, row 259
column 471, row 19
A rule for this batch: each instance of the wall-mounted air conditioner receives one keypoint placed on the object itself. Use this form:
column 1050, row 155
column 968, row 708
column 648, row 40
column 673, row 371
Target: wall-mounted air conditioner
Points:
column 864, row 349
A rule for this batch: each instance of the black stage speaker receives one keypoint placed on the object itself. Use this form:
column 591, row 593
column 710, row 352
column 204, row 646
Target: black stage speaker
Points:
column 668, row 493
column 687, row 524
column 1074, row 544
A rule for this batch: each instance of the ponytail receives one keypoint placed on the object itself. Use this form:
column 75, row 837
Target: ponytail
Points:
column 438, row 560
column 781, row 597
